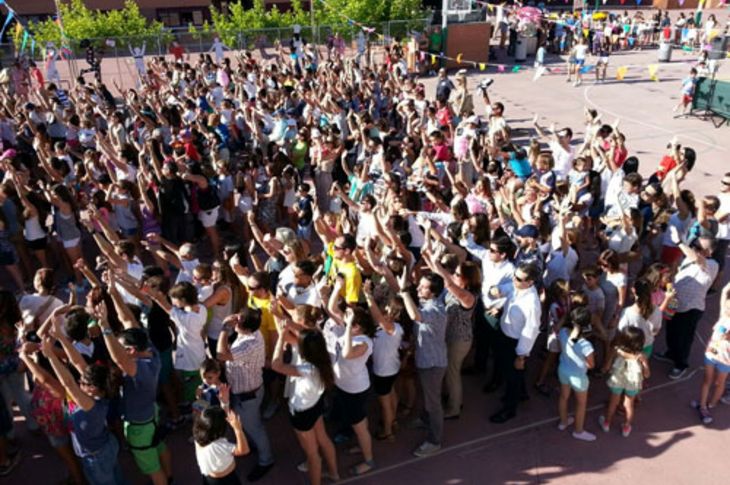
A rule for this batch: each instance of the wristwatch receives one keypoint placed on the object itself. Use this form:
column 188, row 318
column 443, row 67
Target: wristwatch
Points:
column 107, row 331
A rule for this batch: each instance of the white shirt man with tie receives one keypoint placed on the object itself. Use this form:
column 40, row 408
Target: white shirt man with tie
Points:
column 519, row 327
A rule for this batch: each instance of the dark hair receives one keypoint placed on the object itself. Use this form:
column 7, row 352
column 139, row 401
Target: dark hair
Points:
column 186, row 292
column 642, row 290
column 631, row 165
column 471, row 273
column 210, row 425
column 314, row 350
column 46, row 278
column 609, row 258
column 503, row 245
column 364, row 320
column 307, row 267
column 249, row 319
column 481, row 232
column 211, row 365
column 127, row 248
column 77, row 323
column 10, row 312
column 631, row 339
column 690, row 156
column 580, row 317
column 530, row 270
column 137, row 338
column 99, row 376
column 349, row 242
column 435, row 283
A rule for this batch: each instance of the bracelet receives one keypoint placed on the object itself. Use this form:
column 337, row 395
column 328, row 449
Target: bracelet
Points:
column 107, row 331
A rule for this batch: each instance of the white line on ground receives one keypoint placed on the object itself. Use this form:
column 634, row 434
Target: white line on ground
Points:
column 501, row 434
column 646, row 124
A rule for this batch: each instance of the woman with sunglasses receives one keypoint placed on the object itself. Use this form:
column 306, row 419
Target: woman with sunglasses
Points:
column 221, row 302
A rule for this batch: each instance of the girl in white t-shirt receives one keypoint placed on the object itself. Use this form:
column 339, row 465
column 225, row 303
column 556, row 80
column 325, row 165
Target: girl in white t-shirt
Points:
column 214, row 453
column 310, row 374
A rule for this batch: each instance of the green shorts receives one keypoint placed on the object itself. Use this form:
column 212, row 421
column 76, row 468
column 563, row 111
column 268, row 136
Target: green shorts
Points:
column 146, row 453
column 190, row 381
column 648, row 350
column 628, row 392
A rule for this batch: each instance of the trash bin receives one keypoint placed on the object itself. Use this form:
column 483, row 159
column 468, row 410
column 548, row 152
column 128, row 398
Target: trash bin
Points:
column 665, row 52
column 521, row 49
column 718, row 48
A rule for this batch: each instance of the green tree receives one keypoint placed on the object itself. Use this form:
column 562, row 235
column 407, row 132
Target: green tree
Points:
column 81, row 22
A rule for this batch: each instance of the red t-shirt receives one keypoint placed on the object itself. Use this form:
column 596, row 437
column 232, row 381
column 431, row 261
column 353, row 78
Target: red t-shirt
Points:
column 667, row 164
column 177, row 52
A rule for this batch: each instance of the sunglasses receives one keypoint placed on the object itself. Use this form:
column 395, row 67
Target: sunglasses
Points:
column 254, row 288
column 521, row 280
column 724, row 182
column 339, row 248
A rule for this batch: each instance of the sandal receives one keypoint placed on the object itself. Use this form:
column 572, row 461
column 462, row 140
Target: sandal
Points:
column 361, row 469
column 390, row 437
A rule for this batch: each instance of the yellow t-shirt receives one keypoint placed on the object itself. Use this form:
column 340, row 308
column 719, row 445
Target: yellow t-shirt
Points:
column 268, row 325
column 353, row 279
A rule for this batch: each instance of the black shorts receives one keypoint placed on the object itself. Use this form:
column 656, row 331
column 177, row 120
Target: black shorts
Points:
column 305, row 420
column 383, row 385
column 8, row 258
column 230, row 479
column 351, row 407
column 37, row 244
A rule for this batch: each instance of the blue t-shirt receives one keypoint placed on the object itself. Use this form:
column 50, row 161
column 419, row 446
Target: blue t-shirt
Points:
column 521, row 167
column 574, row 354
column 89, row 432
column 140, row 392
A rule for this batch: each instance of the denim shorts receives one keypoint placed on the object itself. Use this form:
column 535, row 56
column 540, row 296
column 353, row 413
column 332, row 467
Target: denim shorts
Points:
column 717, row 365
column 102, row 468
column 578, row 382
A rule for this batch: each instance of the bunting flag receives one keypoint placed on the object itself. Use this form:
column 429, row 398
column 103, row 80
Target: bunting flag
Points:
column 653, row 68
column 25, row 41
column 433, row 58
column 500, row 67
column 516, row 69
column 621, row 73
column 8, row 19
column 458, row 57
column 482, row 66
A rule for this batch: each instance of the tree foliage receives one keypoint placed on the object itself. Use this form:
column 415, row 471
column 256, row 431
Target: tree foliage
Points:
column 80, row 22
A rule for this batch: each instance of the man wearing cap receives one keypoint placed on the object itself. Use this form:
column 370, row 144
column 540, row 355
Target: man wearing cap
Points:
column 140, row 362
column 519, row 327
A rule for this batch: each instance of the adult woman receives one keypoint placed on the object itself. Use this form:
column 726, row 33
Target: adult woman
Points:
column 613, row 284
column 350, row 335
column 220, row 303
column 324, row 155
column 310, row 378
column 463, row 102
column 97, row 448
column 64, row 219
column 33, row 231
column 208, row 204
column 462, row 288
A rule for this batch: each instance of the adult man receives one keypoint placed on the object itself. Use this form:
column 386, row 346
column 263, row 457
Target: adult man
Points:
column 245, row 361
column 140, row 363
column 301, row 291
column 430, row 322
column 518, row 329
column 694, row 278
column 444, row 86
column 343, row 262
column 559, row 144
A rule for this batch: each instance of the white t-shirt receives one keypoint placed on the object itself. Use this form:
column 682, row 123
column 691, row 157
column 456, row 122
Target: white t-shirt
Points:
column 723, row 229
column 186, row 272
column 190, row 352
column 630, row 317
column 563, row 159
column 136, row 271
column 351, row 375
column 32, row 303
column 386, row 361
column 216, row 457
column 560, row 265
column 307, row 388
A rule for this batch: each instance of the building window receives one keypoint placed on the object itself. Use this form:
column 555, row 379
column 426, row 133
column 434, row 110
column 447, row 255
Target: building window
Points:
column 198, row 17
column 170, row 19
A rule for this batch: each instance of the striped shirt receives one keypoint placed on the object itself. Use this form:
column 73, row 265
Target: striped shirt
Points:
column 244, row 371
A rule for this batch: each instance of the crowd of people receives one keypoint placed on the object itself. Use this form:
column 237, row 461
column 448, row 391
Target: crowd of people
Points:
column 239, row 235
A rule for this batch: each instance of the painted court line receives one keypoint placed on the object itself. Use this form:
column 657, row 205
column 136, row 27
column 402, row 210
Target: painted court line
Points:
column 485, row 439
column 647, row 124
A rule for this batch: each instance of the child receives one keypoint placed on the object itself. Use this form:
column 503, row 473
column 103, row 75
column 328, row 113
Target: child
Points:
column 688, row 91
column 558, row 304
column 575, row 360
column 630, row 368
column 210, row 392
column 578, row 176
column 303, row 211
column 214, row 453
column 717, row 361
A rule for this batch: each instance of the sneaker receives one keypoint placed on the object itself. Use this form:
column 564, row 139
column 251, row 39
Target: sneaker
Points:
column 677, row 373
column 662, row 357
column 626, row 430
column 726, row 398
column 10, row 465
column 563, row 427
column 426, row 449
column 705, row 416
column 584, row 436
column 603, row 424
column 303, row 466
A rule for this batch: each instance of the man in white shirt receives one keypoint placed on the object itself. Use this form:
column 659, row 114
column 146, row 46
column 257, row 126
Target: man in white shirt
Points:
column 518, row 330
column 559, row 144
column 302, row 290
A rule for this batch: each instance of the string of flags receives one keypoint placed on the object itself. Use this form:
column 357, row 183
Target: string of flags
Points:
column 21, row 34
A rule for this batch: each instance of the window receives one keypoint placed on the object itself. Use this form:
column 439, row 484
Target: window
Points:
column 170, row 19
